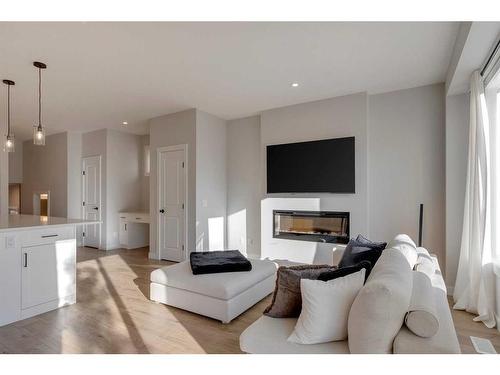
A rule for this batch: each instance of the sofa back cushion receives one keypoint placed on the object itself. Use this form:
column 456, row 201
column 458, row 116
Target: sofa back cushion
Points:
column 406, row 246
column 378, row 312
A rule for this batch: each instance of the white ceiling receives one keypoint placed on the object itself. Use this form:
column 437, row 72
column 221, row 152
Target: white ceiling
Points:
column 100, row 74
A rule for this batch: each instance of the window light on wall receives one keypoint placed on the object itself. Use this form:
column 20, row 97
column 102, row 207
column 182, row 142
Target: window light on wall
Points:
column 147, row 160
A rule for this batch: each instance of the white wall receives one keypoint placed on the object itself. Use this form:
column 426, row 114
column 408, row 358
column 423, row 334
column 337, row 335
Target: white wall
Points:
column 457, row 134
column 406, row 165
column 45, row 169
column 16, row 164
column 210, row 182
column 123, row 175
column 332, row 118
column 243, row 187
column 400, row 162
column 169, row 130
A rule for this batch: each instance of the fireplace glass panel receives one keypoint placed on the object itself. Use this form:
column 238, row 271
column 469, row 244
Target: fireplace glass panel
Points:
column 317, row 226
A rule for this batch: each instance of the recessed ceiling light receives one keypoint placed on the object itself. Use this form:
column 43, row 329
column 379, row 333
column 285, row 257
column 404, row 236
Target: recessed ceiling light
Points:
column 124, row 123
column 295, row 84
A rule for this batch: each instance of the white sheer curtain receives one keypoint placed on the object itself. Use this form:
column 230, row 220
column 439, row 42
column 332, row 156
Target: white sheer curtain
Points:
column 475, row 284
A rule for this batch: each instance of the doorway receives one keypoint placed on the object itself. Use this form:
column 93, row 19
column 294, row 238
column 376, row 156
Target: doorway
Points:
column 91, row 202
column 14, row 198
column 172, row 202
column 41, row 203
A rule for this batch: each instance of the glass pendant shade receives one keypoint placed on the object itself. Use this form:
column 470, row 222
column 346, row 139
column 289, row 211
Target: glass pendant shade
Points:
column 38, row 130
column 9, row 139
column 39, row 136
column 10, row 144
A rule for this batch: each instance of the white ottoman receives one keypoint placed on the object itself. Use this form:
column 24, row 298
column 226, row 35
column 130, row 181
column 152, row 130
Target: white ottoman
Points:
column 222, row 296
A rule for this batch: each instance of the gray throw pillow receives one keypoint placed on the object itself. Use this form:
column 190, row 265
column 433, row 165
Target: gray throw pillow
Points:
column 287, row 300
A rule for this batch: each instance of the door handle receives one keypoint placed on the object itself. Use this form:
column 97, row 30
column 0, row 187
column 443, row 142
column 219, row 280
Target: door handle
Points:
column 162, row 211
column 96, row 208
column 25, row 260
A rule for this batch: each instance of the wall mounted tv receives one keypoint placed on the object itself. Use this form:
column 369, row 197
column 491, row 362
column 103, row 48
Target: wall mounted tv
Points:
column 325, row 166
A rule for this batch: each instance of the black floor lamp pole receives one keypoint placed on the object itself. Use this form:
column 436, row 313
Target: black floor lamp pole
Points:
column 420, row 222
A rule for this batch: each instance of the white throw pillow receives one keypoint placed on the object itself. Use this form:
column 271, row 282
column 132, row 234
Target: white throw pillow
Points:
column 325, row 308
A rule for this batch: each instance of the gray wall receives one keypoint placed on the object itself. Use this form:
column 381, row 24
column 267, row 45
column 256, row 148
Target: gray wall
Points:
column 144, row 178
column 457, row 134
column 406, row 165
column 174, row 129
column 74, row 167
column 16, row 164
column 243, row 190
column 210, row 182
column 4, row 174
column 45, row 168
column 123, row 176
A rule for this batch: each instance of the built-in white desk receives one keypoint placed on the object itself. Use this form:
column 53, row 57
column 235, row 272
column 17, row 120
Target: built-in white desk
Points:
column 37, row 265
column 134, row 229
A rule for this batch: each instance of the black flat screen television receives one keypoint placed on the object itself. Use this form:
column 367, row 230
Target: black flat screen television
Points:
column 325, row 166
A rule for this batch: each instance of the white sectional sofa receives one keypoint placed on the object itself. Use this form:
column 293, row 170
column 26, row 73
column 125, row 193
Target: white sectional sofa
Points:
column 370, row 331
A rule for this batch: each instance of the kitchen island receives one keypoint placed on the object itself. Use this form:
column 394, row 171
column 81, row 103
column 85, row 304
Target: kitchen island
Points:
column 37, row 265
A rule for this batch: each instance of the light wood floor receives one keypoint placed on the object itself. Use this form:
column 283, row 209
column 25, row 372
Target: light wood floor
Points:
column 113, row 314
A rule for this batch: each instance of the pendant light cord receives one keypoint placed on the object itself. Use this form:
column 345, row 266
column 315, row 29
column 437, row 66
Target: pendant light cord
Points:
column 39, row 97
column 8, row 110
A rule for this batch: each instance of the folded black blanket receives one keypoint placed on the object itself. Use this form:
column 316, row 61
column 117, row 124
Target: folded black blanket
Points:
column 218, row 262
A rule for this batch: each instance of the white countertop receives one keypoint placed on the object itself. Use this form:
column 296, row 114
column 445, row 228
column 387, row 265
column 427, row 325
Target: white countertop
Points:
column 19, row 222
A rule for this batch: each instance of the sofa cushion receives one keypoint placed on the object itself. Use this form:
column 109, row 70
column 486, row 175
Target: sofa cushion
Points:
column 325, row 308
column 378, row 311
column 287, row 301
column 356, row 252
column 270, row 336
column 219, row 285
column 422, row 318
column 406, row 246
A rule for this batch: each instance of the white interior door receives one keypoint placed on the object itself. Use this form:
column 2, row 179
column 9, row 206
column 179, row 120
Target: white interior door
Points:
column 91, row 175
column 172, row 202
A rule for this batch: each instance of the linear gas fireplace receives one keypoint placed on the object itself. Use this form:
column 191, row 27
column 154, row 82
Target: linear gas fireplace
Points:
column 315, row 226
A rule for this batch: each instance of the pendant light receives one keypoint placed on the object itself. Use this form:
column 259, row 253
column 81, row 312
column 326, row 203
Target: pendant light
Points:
column 9, row 140
column 38, row 130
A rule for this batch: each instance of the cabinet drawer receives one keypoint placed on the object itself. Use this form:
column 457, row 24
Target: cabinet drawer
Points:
column 139, row 218
column 47, row 235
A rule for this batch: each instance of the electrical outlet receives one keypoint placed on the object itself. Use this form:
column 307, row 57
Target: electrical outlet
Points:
column 10, row 242
column 204, row 203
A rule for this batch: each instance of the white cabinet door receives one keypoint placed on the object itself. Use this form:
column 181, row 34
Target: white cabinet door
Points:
column 122, row 233
column 92, row 200
column 48, row 272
